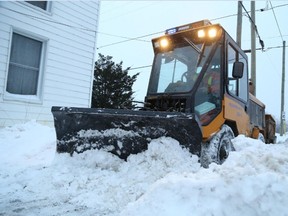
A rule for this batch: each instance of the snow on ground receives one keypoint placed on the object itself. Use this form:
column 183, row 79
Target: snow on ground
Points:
column 164, row 180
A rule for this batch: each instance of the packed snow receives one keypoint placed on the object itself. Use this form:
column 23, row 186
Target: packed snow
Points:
column 164, row 180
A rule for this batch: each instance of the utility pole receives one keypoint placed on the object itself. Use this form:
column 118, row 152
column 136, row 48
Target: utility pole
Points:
column 239, row 24
column 282, row 117
column 253, row 49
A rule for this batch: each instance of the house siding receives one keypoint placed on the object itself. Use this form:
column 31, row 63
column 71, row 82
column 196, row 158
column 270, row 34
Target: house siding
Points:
column 69, row 34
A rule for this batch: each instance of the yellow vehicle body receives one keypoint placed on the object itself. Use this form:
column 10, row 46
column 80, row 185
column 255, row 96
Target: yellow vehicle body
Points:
column 234, row 115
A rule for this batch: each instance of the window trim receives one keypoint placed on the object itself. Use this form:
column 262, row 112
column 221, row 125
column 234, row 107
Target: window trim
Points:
column 47, row 11
column 38, row 98
column 221, row 93
column 238, row 52
column 229, row 44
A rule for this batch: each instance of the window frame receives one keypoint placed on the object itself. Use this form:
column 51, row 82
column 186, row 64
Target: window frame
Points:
column 219, row 48
column 48, row 7
column 238, row 56
column 38, row 97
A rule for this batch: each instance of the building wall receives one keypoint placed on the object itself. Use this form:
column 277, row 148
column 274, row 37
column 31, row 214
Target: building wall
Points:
column 68, row 31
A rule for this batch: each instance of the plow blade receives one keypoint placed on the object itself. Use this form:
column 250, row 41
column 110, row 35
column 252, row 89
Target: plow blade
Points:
column 121, row 132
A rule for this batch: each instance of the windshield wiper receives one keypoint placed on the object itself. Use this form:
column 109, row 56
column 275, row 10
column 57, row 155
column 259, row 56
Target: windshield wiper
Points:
column 197, row 49
column 201, row 54
column 192, row 45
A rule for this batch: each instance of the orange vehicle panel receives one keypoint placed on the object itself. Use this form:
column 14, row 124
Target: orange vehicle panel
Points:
column 234, row 111
column 213, row 127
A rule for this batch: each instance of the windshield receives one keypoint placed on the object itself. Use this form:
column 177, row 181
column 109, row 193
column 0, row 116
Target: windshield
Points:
column 177, row 69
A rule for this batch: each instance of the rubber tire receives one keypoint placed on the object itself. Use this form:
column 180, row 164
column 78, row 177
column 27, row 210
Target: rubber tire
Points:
column 225, row 146
column 219, row 147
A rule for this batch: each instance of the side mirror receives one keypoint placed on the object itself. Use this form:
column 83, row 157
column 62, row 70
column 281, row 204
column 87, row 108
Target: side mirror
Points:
column 238, row 68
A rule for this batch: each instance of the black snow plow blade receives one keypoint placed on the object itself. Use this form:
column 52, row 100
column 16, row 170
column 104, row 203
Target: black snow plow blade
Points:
column 121, row 132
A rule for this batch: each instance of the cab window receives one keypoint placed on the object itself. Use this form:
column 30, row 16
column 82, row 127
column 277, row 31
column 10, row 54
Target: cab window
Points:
column 208, row 94
column 237, row 87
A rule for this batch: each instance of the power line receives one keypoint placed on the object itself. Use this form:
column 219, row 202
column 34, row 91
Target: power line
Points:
column 130, row 39
column 269, row 38
column 140, row 67
column 116, row 8
column 276, row 21
column 259, row 10
column 268, row 48
column 51, row 21
column 119, row 36
column 255, row 27
column 223, row 17
column 277, row 6
column 129, row 12
column 282, row 114
column 139, row 38
column 74, row 27
column 246, row 51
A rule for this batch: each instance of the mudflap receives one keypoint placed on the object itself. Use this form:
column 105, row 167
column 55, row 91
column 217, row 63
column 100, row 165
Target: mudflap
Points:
column 122, row 132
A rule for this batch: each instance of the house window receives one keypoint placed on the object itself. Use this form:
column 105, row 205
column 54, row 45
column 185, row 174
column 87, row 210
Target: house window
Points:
column 40, row 4
column 24, row 65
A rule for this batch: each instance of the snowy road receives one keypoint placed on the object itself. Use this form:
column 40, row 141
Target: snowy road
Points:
column 164, row 180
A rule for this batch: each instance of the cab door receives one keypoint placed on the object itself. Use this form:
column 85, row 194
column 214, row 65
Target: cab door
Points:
column 236, row 92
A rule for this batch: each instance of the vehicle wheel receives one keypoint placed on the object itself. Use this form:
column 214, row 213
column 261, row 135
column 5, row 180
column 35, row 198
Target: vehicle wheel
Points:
column 225, row 146
column 217, row 150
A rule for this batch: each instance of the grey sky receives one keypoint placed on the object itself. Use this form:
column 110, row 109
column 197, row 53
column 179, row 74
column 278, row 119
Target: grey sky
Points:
column 132, row 19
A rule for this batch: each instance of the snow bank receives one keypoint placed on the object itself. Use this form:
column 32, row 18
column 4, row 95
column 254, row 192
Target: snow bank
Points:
column 282, row 139
column 27, row 144
column 253, row 181
column 164, row 180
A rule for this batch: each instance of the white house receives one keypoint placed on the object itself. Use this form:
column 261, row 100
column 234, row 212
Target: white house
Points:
column 47, row 56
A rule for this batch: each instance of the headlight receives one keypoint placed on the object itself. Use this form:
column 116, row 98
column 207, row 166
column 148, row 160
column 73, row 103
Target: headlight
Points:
column 212, row 32
column 201, row 33
column 164, row 43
